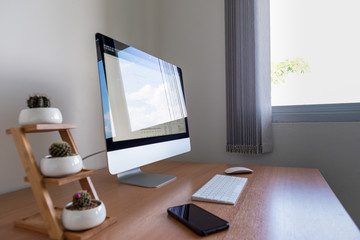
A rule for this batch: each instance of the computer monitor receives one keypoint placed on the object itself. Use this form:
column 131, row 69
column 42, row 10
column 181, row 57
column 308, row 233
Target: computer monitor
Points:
column 144, row 113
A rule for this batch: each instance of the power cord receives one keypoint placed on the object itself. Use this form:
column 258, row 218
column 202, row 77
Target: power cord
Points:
column 93, row 154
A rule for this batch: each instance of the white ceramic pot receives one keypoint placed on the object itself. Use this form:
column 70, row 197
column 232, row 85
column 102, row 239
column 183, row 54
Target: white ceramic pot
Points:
column 60, row 166
column 78, row 220
column 40, row 115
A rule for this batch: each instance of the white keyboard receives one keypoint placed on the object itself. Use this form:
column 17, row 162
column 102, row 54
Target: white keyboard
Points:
column 221, row 189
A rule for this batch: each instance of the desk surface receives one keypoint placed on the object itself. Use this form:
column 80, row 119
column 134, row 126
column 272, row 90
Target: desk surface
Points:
column 277, row 203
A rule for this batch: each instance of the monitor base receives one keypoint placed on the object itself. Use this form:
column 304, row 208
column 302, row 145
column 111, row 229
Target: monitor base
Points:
column 139, row 178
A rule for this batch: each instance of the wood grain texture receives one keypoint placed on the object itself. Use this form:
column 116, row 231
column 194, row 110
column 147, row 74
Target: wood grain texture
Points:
column 277, row 203
column 43, row 127
column 59, row 181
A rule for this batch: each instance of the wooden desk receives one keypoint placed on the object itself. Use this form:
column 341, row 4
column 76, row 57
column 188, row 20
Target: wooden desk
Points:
column 277, row 203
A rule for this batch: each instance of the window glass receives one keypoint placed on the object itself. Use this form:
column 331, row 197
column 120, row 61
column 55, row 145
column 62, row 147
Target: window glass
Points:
column 315, row 51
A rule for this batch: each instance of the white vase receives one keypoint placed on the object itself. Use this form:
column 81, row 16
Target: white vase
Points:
column 40, row 115
column 60, row 166
column 78, row 220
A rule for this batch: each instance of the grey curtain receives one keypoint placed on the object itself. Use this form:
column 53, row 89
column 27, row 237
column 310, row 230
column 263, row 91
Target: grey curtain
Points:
column 248, row 86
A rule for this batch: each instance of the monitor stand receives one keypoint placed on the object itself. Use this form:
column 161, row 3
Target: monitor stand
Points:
column 139, row 178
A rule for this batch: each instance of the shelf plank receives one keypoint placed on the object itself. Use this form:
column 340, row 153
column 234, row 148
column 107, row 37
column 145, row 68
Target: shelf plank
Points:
column 67, row 179
column 43, row 127
column 33, row 223
column 36, row 223
column 47, row 127
column 82, row 235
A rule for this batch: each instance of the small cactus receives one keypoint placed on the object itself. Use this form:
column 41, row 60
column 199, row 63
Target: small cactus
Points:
column 81, row 199
column 38, row 101
column 60, row 149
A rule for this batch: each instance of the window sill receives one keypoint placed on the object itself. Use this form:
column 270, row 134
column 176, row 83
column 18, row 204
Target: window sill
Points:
column 345, row 112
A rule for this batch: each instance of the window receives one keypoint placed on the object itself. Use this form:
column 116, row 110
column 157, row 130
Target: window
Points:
column 315, row 52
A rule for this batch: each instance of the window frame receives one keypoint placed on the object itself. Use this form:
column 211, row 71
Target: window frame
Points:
column 342, row 112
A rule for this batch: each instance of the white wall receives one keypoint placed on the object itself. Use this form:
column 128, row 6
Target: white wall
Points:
column 48, row 47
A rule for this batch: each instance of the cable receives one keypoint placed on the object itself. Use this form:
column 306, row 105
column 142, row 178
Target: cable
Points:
column 93, row 154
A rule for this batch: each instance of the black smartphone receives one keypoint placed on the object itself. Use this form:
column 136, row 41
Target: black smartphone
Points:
column 197, row 219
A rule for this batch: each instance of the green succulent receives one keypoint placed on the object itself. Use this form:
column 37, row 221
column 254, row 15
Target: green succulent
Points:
column 38, row 101
column 60, row 149
column 81, row 199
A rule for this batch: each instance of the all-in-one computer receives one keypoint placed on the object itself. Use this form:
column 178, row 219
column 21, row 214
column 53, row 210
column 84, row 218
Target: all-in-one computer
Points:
column 145, row 118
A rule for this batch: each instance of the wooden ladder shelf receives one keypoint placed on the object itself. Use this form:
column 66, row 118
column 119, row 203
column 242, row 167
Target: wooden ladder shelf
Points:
column 48, row 221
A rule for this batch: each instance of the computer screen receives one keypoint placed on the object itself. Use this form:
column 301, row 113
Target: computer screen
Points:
column 144, row 111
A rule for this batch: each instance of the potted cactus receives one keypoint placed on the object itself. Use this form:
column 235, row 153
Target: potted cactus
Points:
column 39, row 111
column 83, row 212
column 60, row 162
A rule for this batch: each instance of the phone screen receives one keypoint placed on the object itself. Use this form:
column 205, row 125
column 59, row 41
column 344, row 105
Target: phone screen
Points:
column 199, row 220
